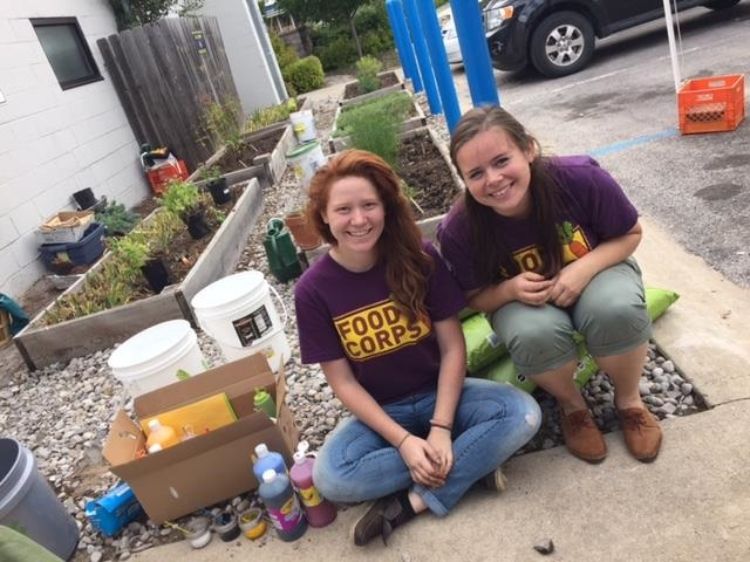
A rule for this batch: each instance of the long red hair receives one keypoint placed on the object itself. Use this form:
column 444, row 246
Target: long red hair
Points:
column 407, row 264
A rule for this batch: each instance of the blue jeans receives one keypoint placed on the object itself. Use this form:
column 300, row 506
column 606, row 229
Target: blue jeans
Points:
column 492, row 421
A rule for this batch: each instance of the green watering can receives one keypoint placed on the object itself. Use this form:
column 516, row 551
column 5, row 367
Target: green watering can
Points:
column 281, row 251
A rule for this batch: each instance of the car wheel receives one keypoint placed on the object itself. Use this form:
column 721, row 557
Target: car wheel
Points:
column 562, row 44
column 721, row 4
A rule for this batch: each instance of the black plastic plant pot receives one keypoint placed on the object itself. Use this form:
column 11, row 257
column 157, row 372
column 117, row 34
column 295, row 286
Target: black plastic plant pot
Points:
column 156, row 274
column 197, row 226
column 219, row 191
column 85, row 198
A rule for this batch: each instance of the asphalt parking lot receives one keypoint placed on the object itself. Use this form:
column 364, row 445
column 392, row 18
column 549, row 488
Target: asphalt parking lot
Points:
column 622, row 109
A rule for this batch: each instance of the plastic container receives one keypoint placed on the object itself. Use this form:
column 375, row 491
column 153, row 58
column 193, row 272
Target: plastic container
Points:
column 115, row 509
column 305, row 159
column 85, row 198
column 264, row 402
column 281, row 252
column 162, row 435
column 226, row 526
column 252, row 524
column 266, row 460
column 28, row 503
column 160, row 176
column 60, row 258
column 283, row 506
column 237, row 312
column 303, row 125
column 318, row 510
column 158, row 356
column 712, row 104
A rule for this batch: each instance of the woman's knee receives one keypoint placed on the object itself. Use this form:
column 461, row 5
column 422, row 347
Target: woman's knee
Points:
column 615, row 324
column 489, row 400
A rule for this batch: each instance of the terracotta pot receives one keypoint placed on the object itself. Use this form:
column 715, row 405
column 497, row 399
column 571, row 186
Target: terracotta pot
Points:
column 304, row 233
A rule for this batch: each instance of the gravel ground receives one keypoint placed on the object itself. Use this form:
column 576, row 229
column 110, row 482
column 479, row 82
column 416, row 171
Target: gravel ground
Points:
column 62, row 413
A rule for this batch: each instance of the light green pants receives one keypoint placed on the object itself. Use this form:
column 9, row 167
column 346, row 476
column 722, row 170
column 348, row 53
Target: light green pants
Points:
column 610, row 314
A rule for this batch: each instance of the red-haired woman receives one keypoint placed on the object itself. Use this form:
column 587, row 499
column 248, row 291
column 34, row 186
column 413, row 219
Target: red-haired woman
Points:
column 378, row 312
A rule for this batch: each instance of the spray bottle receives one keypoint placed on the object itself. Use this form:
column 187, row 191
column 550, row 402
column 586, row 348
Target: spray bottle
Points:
column 319, row 511
column 267, row 460
column 282, row 505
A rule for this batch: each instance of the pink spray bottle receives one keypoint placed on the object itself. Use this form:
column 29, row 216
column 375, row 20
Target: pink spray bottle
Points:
column 320, row 512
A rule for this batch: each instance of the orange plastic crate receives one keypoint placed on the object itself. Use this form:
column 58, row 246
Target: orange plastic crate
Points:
column 712, row 104
column 160, row 176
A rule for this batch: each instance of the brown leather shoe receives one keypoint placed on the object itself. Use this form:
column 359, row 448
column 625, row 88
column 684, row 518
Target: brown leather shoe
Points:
column 380, row 520
column 582, row 437
column 642, row 433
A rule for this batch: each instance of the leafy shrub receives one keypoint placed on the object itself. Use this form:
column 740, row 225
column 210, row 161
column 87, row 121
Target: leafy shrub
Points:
column 367, row 73
column 223, row 122
column 116, row 218
column 270, row 115
column 181, row 198
column 285, row 54
column 375, row 43
column 304, row 75
column 396, row 104
column 338, row 53
column 372, row 130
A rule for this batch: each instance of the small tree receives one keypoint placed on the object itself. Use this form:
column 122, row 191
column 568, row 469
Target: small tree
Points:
column 132, row 13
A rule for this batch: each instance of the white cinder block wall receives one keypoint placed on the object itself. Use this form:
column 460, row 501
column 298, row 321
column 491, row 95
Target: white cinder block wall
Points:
column 54, row 142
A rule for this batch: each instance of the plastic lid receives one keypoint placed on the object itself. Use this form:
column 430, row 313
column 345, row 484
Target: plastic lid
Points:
column 155, row 448
column 261, row 450
column 269, row 475
column 261, row 395
column 154, row 424
column 299, row 457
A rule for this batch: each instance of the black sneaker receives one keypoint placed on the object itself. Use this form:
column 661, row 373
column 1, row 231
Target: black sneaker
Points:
column 381, row 519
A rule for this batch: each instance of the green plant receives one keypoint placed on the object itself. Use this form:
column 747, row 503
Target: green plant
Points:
column 337, row 53
column 285, row 55
column 116, row 218
column 131, row 252
column 181, row 198
column 223, row 121
column 367, row 73
column 376, row 132
column 305, row 75
column 396, row 104
column 270, row 115
column 210, row 173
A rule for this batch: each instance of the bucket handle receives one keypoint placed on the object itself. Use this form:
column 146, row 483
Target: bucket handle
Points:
column 281, row 302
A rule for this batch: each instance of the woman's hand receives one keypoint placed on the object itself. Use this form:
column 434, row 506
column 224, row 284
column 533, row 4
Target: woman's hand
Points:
column 569, row 284
column 422, row 460
column 530, row 288
column 441, row 441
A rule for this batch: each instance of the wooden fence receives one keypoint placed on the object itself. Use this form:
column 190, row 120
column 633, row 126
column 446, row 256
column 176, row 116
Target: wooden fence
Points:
column 165, row 75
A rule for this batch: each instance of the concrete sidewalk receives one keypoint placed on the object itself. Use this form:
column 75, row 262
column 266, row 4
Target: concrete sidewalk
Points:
column 692, row 503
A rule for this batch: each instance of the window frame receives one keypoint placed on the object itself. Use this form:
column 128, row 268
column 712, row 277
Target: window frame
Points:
column 95, row 75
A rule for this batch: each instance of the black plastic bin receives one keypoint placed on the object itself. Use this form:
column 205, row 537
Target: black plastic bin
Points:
column 61, row 258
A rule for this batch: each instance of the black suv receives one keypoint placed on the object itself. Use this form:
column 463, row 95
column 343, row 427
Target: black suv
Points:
column 557, row 36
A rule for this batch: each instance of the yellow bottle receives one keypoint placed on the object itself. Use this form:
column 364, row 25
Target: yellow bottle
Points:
column 162, row 435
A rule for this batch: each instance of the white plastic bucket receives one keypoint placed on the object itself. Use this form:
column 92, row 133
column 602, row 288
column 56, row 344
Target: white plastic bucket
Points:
column 158, row 356
column 303, row 125
column 237, row 312
column 305, row 159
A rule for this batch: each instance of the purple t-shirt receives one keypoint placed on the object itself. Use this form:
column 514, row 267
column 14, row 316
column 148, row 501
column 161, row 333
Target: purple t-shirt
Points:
column 596, row 209
column 345, row 314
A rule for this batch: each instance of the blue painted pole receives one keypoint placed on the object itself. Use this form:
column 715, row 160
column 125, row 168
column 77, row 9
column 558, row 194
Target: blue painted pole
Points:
column 443, row 75
column 476, row 53
column 404, row 47
column 423, row 56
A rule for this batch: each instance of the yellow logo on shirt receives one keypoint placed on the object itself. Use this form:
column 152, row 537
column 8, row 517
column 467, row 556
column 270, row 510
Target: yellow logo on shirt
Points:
column 378, row 329
column 573, row 244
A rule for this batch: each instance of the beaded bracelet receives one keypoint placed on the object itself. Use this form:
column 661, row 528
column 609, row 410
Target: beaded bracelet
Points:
column 404, row 438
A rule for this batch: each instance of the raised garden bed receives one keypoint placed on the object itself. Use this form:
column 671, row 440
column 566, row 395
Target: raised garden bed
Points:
column 42, row 345
column 389, row 82
column 424, row 164
column 415, row 119
column 262, row 155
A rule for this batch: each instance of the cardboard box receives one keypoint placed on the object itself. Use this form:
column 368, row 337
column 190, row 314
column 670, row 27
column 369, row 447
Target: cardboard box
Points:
column 211, row 467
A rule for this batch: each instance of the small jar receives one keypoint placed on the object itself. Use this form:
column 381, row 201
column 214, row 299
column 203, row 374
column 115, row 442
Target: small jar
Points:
column 225, row 525
column 252, row 523
column 199, row 532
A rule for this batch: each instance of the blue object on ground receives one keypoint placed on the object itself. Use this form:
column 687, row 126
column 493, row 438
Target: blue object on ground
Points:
column 18, row 318
column 87, row 250
column 110, row 513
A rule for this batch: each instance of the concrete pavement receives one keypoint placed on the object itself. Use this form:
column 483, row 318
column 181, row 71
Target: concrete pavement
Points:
column 692, row 503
